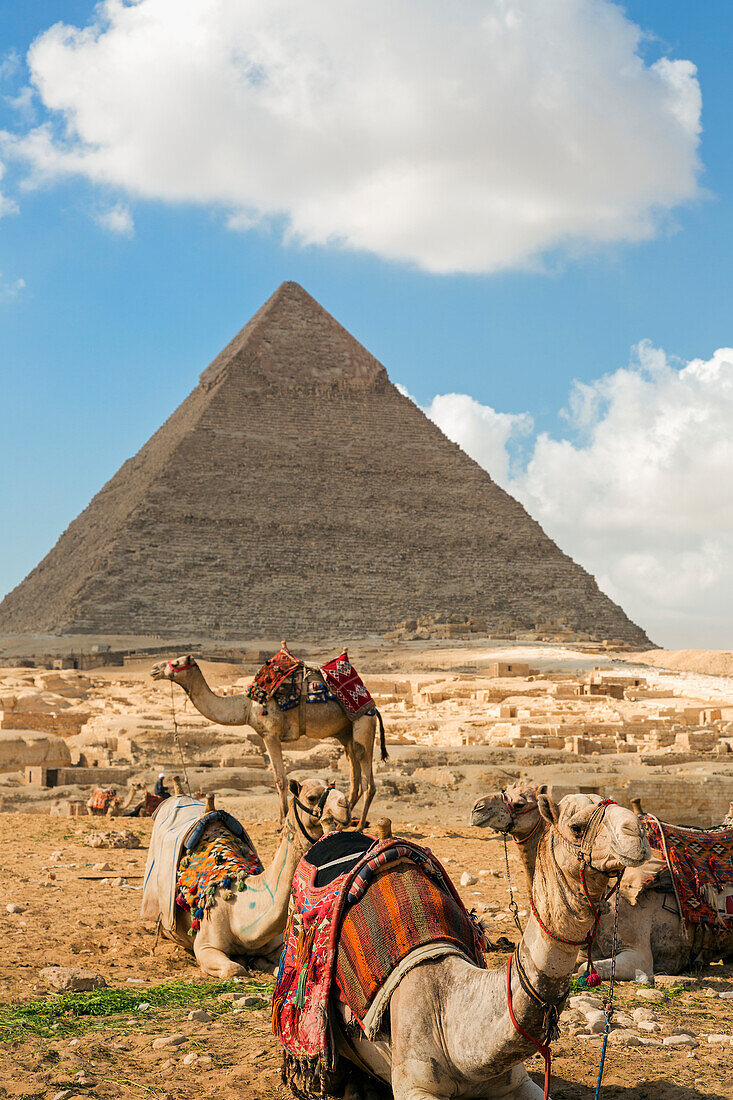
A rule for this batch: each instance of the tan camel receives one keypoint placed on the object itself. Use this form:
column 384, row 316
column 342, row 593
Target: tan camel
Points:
column 450, row 1032
column 322, row 720
column 650, row 936
column 251, row 922
column 115, row 808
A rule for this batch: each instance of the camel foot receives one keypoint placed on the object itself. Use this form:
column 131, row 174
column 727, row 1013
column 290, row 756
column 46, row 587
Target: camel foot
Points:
column 233, row 970
column 628, row 964
column 516, row 1085
column 215, row 964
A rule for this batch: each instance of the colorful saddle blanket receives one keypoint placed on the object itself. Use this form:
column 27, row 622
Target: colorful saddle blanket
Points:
column 342, row 682
column 701, row 864
column 402, row 909
column 410, row 902
column 151, row 802
column 346, row 684
column 272, row 674
column 219, row 860
column 104, row 798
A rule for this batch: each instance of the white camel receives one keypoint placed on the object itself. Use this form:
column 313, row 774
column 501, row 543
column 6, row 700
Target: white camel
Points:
column 651, row 935
column 450, row 1030
column 319, row 721
column 251, row 921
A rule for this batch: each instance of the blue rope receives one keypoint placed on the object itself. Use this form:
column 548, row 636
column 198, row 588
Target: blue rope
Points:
column 603, row 1059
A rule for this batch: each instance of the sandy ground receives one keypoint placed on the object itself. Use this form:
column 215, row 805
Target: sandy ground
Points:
column 73, row 919
column 711, row 662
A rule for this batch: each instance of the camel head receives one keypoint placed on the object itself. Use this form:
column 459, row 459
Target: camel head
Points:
column 314, row 805
column 606, row 838
column 336, row 811
column 176, row 670
column 513, row 811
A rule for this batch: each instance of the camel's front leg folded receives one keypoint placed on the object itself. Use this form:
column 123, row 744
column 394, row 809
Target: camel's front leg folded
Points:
column 215, row 963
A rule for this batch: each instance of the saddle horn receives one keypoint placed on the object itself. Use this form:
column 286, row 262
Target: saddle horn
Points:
column 384, row 828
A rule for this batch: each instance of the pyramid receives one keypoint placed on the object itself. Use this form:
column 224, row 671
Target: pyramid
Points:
column 296, row 492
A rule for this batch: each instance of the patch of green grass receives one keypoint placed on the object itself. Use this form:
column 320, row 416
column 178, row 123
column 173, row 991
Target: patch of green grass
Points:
column 75, row 1013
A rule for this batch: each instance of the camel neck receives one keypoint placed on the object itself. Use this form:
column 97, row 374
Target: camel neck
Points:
column 264, row 902
column 527, row 846
column 225, row 710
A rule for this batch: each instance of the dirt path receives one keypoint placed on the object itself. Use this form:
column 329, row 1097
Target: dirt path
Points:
column 72, row 919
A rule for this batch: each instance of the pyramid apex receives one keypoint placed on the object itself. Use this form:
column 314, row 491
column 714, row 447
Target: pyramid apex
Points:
column 292, row 342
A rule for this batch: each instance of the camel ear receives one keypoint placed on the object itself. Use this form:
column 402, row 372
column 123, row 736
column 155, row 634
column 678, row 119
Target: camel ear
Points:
column 543, row 789
column 294, row 786
column 548, row 808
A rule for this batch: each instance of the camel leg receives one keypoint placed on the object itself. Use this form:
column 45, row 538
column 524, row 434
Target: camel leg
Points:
column 355, row 785
column 363, row 743
column 275, row 753
column 513, row 1085
column 628, row 961
column 215, row 963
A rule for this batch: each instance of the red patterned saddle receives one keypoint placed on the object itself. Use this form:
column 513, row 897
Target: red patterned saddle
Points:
column 344, row 939
column 701, row 864
column 341, row 682
column 103, row 799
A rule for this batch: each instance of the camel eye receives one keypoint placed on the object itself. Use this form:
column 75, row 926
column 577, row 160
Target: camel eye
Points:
column 577, row 830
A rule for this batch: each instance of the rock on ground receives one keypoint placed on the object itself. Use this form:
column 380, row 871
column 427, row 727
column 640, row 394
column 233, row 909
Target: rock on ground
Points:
column 71, row 979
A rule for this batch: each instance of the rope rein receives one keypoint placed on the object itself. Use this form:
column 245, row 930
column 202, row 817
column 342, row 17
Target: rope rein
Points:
column 608, row 1006
column 512, row 907
column 543, row 1048
column 177, row 738
column 550, row 1025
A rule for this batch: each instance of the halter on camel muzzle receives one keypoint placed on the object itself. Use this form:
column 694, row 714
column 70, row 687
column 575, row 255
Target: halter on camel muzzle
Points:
column 316, row 811
column 584, row 848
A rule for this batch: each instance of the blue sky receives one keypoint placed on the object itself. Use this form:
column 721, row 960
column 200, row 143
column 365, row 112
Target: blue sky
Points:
column 117, row 288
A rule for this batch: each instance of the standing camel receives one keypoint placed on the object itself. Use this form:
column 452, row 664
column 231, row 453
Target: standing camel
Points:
column 651, row 933
column 274, row 726
column 450, row 1033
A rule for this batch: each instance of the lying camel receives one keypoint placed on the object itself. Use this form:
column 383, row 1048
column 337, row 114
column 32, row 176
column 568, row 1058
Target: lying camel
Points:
column 274, row 726
column 251, row 921
column 114, row 807
column 650, row 936
column 450, row 1032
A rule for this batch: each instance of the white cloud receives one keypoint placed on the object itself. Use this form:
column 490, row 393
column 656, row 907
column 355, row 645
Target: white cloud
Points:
column 7, row 205
column 471, row 136
column 10, row 288
column 116, row 219
column 640, row 489
column 483, row 433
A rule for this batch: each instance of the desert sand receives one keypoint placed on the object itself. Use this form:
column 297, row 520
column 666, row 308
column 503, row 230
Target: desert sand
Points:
column 455, row 730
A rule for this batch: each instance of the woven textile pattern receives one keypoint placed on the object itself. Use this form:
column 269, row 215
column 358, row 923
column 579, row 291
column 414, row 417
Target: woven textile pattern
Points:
column 220, row 860
column 151, row 803
column 104, row 798
column 303, row 992
column 701, row 864
column 272, row 674
column 346, row 684
column 402, row 909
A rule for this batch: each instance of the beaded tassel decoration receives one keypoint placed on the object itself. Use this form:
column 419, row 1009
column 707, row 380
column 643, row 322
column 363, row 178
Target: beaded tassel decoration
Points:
column 590, row 978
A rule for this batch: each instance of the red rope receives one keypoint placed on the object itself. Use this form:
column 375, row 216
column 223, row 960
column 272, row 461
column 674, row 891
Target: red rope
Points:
column 524, row 839
column 544, row 1050
column 553, row 935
